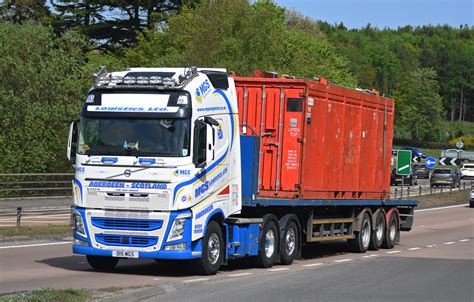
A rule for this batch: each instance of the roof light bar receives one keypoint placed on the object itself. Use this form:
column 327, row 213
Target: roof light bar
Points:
column 119, row 81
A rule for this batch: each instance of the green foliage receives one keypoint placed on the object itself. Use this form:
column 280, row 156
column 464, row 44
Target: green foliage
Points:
column 48, row 295
column 419, row 107
column 42, row 90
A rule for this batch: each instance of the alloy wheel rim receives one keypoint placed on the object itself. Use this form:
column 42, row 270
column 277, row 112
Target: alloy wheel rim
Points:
column 366, row 233
column 290, row 240
column 213, row 248
column 269, row 243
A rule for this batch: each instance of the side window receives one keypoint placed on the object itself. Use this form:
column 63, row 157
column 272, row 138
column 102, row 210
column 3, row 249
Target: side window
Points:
column 200, row 143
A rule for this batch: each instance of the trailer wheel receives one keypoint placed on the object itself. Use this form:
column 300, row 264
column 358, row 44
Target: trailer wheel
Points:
column 102, row 262
column 361, row 242
column 212, row 249
column 269, row 243
column 290, row 241
column 392, row 232
column 379, row 232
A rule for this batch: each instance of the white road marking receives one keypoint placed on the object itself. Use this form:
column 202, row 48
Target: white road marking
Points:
column 442, row 208
column 34, row 245
column 313, row 264
column 465, row 240
column 448, row 243
column 82, row 262
column 370, row 256
column 393, row 252
column 342, row 260
column 278, row 269
column 239, row 275
column 156, row 279
column 430, row 245
column 196, row 280
column 414, row 248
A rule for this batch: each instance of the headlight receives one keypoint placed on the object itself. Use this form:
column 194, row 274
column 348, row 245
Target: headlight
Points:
column 79, row 224
column 177, row 230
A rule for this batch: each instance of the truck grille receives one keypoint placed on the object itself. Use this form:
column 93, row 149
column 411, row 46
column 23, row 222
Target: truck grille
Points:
column 127, row 224
column 125, row 240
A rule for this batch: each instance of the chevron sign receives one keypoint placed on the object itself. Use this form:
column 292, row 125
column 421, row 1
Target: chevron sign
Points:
column 446, row 161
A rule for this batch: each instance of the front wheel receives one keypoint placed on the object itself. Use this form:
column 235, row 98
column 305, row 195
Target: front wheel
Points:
column 212, row 249
column 102, row 262
column 360, row 244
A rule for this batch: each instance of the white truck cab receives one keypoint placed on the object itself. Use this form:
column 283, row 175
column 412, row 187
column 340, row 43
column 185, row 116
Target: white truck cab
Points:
column 152, row 145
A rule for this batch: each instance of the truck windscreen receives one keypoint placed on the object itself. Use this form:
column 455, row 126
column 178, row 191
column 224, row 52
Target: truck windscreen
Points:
column 133, row 136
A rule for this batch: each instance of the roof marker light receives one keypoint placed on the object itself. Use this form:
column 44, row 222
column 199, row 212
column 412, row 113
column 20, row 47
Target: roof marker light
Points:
column 168, row 82
column 143, row 80
column 155, row 80
column 129, row 80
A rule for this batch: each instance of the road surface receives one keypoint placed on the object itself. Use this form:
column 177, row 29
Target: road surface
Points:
column 433, row 262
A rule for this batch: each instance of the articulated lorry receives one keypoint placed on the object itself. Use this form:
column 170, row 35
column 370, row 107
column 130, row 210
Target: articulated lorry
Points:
column 190, row 163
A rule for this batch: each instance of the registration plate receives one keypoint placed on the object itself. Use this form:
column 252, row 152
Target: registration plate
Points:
column 125, row 254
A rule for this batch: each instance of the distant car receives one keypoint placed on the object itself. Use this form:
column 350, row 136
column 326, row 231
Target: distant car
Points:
column 471, row 199
column 445, row 177
column 408, row 180
column 467, row 171
column 420, row 170
column 415, row 152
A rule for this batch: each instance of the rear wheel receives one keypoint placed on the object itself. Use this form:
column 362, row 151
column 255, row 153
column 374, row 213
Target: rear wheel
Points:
column 102, row 262
column 361, row 242
column 289, row 248
column 378, row 233
column 268, row 250
column 392, row 233
column 212, row 249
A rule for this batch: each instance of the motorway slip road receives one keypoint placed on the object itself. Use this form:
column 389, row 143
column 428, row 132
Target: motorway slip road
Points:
column 433, row 262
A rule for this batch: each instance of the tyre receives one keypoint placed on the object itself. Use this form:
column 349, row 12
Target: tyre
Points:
column 102, row 262
column 392, row 233
column 471, row 204
column 290, row 243
column 212, row 249
column 379, row 232
column 269, row 243
column 361, row 242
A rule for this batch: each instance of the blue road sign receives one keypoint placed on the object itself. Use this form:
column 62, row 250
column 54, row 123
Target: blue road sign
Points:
column 430, row 162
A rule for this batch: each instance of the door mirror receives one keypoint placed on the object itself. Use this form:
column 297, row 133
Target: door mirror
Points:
column 200, row 144
column 72, row 143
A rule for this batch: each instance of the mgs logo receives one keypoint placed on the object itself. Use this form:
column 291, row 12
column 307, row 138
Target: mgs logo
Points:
column 202, row 90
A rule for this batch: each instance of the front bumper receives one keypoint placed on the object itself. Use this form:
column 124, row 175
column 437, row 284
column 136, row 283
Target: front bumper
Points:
column 121, row 237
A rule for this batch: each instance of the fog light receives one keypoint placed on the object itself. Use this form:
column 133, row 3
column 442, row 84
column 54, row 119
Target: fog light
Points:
column 80, row 242
column 176, row 247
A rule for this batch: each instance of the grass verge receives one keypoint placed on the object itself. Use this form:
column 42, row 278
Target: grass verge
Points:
column 50, row 230
column 443, row 199
column 47, row 295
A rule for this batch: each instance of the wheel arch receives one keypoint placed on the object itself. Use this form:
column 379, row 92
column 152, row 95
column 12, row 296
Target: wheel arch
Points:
column 358, row 218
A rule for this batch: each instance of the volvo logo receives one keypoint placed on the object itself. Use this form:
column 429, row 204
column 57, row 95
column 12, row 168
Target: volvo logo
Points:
column 127, row 173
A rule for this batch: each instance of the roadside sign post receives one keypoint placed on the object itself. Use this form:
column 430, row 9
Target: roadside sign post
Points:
column 404, row 159
column 459, row 145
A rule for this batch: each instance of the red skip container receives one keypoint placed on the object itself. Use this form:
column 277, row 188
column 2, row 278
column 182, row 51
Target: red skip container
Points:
column 318, row 141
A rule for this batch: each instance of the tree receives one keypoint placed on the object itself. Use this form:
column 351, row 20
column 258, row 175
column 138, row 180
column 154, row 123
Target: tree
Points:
column 42, row 90
column 419, row 107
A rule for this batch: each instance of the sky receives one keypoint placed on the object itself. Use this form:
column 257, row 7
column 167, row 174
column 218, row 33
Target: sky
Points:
column 386, row 13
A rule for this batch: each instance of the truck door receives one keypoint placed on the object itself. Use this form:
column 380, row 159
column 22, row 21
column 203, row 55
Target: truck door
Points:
column 292, row 139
